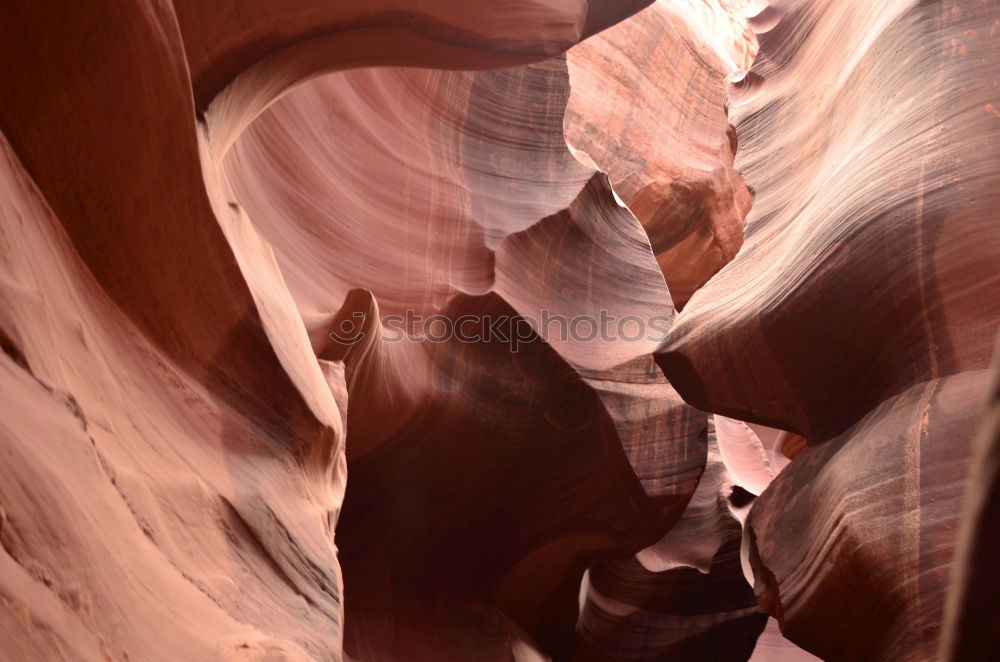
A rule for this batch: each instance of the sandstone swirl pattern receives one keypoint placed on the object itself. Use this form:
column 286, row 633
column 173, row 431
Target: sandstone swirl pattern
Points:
column 175, row 464
column 196, row 196
column 861, row 311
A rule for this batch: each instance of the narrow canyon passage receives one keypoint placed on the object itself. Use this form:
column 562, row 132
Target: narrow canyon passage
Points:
column 527, row 330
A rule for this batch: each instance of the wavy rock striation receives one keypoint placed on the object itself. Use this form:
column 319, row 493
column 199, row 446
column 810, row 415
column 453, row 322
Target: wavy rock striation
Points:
column 145, row 305
column 877, row 211
column 684, row 596
column 573, row 449
column 969, row 631
column 861, row 311
column 648, row 107
column 250, row 249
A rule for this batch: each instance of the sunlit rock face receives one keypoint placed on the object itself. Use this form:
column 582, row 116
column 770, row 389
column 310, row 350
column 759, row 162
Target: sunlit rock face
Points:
column 571, row 450
column 173, row 445
column 338, row 330
column 648, row 106
column 869, row 136
column 861, row 312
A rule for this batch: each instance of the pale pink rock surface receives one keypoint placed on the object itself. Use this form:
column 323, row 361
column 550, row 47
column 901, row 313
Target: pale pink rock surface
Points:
column 194, row 195
column 752, row 453
column 861, row 311
column 497, row 213
column 174, row 447
column 647, row 105
column 773, row 647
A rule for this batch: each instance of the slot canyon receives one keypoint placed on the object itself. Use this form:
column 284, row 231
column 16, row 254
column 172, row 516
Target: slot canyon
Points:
column 523, row 330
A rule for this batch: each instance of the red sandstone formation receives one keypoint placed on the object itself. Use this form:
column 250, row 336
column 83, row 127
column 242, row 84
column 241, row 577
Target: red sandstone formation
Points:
column 684, row 597
column 494, row 216
column 147, row 307
column 970, row 628
column 233, row 426
column 773, row 647
column 861, row 312
column 755, row 454
column 648, row 107
column 864, row 525
column 901, row 259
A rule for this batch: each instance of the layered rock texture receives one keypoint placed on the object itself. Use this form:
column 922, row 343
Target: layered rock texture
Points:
column 648, row 91
column 860, row 313
column 350, row 331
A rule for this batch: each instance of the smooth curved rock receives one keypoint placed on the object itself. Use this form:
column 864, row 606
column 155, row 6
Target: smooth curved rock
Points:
column 647, row 105
column 773, row 647
column 864, row 526
column 422, row 545
column 499, row 214
column 860, row 312
column 244, row 56
column 634, row 614
column 754, row 454
column 687, row 595
column 134, row 493
column 869, row 261
column 969, row 631
column 233, row 272
column 684, row 596
column 197, row 441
